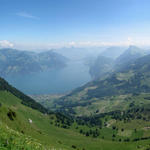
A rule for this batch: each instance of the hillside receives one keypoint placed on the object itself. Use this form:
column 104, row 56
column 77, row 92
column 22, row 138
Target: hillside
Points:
column 23, row 62
column 26, row 100
column 128, row 57
column 113, row 52
column 41, row 132
column 133, row 80
column 114, row 59
column 22, row 127
column 102, row 66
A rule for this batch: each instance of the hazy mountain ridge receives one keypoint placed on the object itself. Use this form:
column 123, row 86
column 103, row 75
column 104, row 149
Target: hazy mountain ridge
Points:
column 129, row 56
column 107, row 64
column 102, row 65
column 15, row 61
column 77, row 53
column 127, row 79
column 113, row 52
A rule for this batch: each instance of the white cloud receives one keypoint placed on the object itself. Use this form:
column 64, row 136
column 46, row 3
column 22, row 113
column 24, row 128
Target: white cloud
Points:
column 84, row 44
column 26, row 15
column 6, row 44
column 142, row 41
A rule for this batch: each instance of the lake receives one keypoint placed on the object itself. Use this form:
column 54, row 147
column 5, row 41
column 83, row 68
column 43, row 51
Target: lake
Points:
column 52, row 82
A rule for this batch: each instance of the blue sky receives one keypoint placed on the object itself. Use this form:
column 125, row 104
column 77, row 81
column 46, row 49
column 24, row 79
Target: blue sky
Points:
column 56, row 23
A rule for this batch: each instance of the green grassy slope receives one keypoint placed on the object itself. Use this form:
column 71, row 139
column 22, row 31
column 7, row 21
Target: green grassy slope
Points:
column 26, row 100
column 40, row 131
column 11, row 139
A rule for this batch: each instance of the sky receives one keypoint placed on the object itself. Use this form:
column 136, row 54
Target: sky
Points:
column 44, row 24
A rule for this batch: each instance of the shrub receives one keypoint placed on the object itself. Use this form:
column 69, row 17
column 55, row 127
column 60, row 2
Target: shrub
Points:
column 11, row 115
column 73, row 146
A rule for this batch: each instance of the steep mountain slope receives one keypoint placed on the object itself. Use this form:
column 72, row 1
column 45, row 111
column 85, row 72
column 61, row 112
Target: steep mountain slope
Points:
column 26, row 100
column 129, row 56
column 15, row 61
column 107, row 63
column 22, row 127
column 133, row 78
column 51, row 59
column 102, row 65
column 113, row 52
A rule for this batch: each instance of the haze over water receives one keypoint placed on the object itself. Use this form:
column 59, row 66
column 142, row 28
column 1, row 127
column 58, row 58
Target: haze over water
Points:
column 52, row 82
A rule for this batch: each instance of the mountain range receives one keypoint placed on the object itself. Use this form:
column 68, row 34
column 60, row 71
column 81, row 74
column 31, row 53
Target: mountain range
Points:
column 114, row 78
column 105, row 64
column 110, row 113
column 14, row 61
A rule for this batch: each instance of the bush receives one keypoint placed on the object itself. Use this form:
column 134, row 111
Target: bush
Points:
column 11, row 115
column 87, row 134
column 73, row 146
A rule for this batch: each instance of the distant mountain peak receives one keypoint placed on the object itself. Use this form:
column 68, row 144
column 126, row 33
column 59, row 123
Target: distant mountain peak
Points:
column 113, row 52
column 128, row 57
column 133, row 48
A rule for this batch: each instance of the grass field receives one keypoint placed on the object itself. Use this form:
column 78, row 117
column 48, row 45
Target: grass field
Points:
column 42, row 132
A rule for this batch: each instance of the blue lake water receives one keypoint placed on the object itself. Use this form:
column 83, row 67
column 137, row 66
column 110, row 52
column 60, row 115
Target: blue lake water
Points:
column 52, row 82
